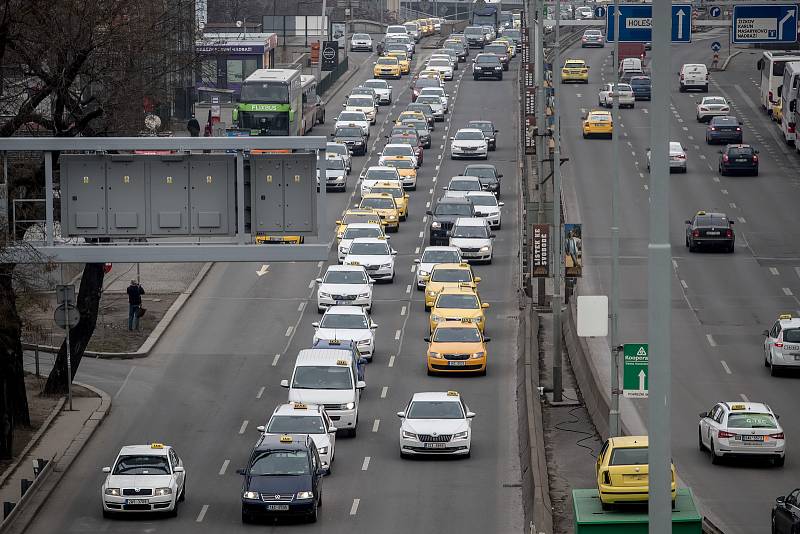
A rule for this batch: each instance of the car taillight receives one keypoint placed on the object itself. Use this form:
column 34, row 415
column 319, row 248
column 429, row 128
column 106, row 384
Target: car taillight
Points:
column 738, row 129
column 703, row 108
column 790, row 127
column 779, row 435
column 729, row 233
column 681, row 77
column 695, row 233
column 778, row 344
column 755, row 158
column 680, row 156
column 725, row 157
column 723, row 434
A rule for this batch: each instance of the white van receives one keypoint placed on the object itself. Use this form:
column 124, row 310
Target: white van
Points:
column 693, row 76
column 396, row 30
column 630, row 64
column 328, row 377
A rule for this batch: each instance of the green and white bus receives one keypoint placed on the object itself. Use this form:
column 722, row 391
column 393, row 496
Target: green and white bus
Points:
column 271, row 103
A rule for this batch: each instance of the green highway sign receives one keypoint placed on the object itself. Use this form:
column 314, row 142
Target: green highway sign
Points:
column 634, row 370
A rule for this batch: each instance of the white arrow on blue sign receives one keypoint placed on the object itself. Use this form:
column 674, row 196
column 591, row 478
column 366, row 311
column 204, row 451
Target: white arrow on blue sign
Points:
column 764, row 23
column 715, row 46
column 599, row 12
column 636, row 22
column 715, row 11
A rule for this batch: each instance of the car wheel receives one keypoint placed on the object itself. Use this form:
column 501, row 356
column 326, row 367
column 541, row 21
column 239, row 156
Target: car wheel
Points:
column 246, row 518
column 427, row 308
column 773, row 369
column 605, row 506
column 779, row 461
column 183, row 492
column 319, row 503
column 699, row 119
column 692, row 247
column 404, row 456
column 313, row 515
column 682, row 89
column 700, row 440
column 351, row 432
column 174, row 511
column 584, row 135
column 714, row 458
column 755, row 173
column 766, row 360
column 731, row 248
column 107, row 514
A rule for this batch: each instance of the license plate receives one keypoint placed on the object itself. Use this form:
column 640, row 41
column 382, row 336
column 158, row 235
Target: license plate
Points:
column 747, row 437
column 435, row 445
column 277, row 507
column 712, row 233
column 457, row 364
column 634, row 478
column 137, row 501
column 342, row 302
column 741, row 160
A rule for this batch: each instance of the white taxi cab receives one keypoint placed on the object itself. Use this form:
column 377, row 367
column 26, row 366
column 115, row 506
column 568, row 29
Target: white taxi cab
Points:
column 144, row 478
column 436, row 422
column 782, row 344
column 742, row 429
column 311, row 419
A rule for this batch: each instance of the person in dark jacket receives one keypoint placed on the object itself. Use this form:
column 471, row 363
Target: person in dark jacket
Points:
column 135, row 292
column 193, row 126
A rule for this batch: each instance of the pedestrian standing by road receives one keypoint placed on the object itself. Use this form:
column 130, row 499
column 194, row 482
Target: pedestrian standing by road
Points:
column 193, row 126
column 135, row 292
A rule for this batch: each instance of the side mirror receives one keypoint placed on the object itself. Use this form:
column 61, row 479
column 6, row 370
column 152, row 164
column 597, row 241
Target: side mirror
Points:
column 765, row 333
column 470, row 415
column 501, row 204
column 338, row 222
column 492, row 236
column 332, row 430
column 106, row 470
column 284, row 383
column 417, row 260
column 401, row 415
column 452, row 138
column 241, row 471
column 428, row 212
column 487, row 339
column 688, row 221
column 373, row 326
column 344, row 105
column 318, row 280
column 361, row 384
column 732, row 222
column 719, row 151
column 426, row 339
column 331, row 136
column 485, row 305
column 261, row 428
column 703, row 414
column 394, row 252
column 178, row 469
column 756, row 151
column 390, row 87
column 315, row 324
column 477, row 279
column 780, row 500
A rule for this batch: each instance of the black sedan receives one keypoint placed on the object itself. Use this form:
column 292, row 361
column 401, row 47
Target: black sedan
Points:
column 487, row 174
column 487, row 66
column 724, row 129
column 708, row 229
column 353, row 137
column 488, row 129
column 738, row 159
column 786, row 513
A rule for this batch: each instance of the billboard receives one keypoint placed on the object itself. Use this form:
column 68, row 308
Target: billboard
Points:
column 541, row 251
column 573, row 250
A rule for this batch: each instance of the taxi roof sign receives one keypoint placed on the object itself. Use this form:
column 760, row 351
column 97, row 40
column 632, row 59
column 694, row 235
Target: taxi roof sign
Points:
column 701, row 212
column 452, row 393
column 785, row 316
column 300, row 406
column 738, row 406
column 286, row 438
column 341, row 362
column 156, row 445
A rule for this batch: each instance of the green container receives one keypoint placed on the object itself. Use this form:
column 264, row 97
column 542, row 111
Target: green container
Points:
column 590, row 518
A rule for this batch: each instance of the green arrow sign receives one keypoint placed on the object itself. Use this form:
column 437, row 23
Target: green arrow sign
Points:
column 634, row 370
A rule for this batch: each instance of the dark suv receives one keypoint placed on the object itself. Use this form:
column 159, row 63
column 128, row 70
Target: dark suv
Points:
column 353, row 137
column 710, row 230
column 738, row 158
column 487, row 66
column 641, row 86
column 283, row 477
column 724, row 129
column 476, row 36
column 447, row 210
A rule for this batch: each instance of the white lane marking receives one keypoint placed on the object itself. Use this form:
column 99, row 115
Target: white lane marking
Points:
column 422, row 234
column 691, row 138
column 724, row 191
column 797, row 271
column 354, row 508
column 725, row 366
column 437, row 169
column 430, row 192
column 633, row 153
column 260, row 392
column 319, row 264
column 397, row 334
column 697, row 147
column 311, row 284
column 787, row 291
column 289, row 331
column 744, row 397
column 224, row 467
column 645, row 110
column 416, row 250
column 711, row 341
column 413, row 268
column 402, row 311
column 578, row 95
column 408, row 288
column 301, row 306
column 124, row 382
column 774, row 271
column 683, row 283
column 702, row 156
column 424, row 219
column 391, row 360
column 384, row 391
column 732, row 205
column 202, row 514
column 275, row 360
column 375, row 425
column 641, row 175
column 441, row 147
column 646, row 187
column 685, row 128
column 675, row 265
column 742, row 220
column 428, row 204
column 365, row 464
column 715, row 178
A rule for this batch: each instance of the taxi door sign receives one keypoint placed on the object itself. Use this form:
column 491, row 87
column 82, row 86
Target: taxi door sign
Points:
column 634, row 370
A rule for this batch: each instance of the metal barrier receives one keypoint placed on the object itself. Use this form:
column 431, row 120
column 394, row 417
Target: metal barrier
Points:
column 334, row 75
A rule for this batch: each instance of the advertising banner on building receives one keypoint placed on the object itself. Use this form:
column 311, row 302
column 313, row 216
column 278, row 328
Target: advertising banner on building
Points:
column 573, row 250
column 541, row 251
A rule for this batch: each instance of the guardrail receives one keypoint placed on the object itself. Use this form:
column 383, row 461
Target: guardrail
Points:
column 326, row 82
column 42, row 468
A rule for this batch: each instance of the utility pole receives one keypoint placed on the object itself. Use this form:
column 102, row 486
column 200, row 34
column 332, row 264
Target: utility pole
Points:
column 542, row 150
column 659, row 263
column 613, row 415
column 323, row 28
column 558, row 268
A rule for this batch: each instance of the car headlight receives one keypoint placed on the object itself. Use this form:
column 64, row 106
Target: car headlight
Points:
column 363, row 296
column 409, row 435
column 358, row 143
column 478, row 355
column 113, row 491
column 386, row 266
column 251, row 495
column 485, row 249
column 324, row 295
column 436, row 318
column 431, row 293
column 350, row 405
column 461, row 435
column 497, row 68
column 436, row 224
column 305, row 494
column 362, row 343
column 160, row 492
column 433, row 354
column 424, row 273
column 323, row 450
column 392, row 217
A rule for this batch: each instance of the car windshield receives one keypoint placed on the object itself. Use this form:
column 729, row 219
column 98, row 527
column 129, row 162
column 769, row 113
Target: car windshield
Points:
column 487, row 59
column 378, row 203
column 711, row 220
column 296, row 424
column 381, row 174
column 451, row 275
column 426, row 82
column 363, row 91
column 142, row 464
column 362, row 36
column 430, row 100
column 360, row 218
column 440, row 256
column 593, row 32
column 600, row 117
column 640, row 80
column 751, row 420
column 360, row 101
column 483, row 200
column 739, row 152
column 396, row 192
column 435, row 410
column 480, row 172
column 344, row 320
column 369, row 249
column 336, row 149
column 397, row 151
column 279, row 462
column 629, row 456
column 345, row 277
column 457, row 302
column 714, row 100
column 467, row 135
column 474, row 232
column 456, row 335
column 403, row 140
column 496, row 49
column 399, row 163
column 322, row 377
column 724, row 121
column 425, row 109
column 623, row 87
column 482, row 125
column 387, row 61
column 347, row 132
column 436, row 91
column 464, row 185
column 453, row 45
column 439, row 63
column 377, row 84
column 453, row 209
column 417, row 124
column 573, row 65
column 473, row 30
column 352, row 116
column 335, row 164
column 399, row 54
column 352, row 233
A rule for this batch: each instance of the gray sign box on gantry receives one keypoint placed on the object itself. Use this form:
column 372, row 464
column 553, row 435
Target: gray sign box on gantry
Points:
column 212, row 196
column 169, row 196
column 300, row 191
column 126, row 195
column 83, row 195
column 266, row 186
column 284, row 193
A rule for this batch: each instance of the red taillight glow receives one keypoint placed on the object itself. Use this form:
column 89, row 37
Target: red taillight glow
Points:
column 723, row 434
column 779, row 435
column 738, row 129
column 681, row 156
column 729, row 233
column 713, row 128
column 755, row 159
column 725, row 157
column 779, row 344
column 695, row 233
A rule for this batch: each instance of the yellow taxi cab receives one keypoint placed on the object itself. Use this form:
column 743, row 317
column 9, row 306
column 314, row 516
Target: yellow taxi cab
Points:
column 448, row 275
column 405, row 115
column 512, row 47
column 385, row 206
column 424, row 28
column 622, row 471
column 402, row 57
column 456, row 347
column 406, row 170
column 386, row 67
column 267, row 239
column 357, row 215
column 458, row 304
column 598, row 122
column 575, row 70
column 428, row 73
column 394, row 188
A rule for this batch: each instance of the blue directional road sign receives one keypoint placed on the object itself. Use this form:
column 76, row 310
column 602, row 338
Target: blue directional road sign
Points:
column 636, row 21
column 764, row 23
column 715, row 46
column 599, row 12
column 715, row 11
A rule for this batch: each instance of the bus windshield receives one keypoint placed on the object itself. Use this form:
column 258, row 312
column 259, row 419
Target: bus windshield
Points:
column 265, row 92
column 266, row 122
